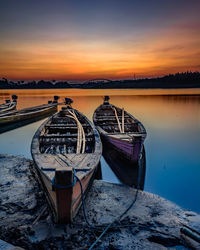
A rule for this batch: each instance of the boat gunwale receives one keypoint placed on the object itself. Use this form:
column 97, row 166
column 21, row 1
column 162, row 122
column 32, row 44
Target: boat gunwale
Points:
column 11, row 107
column 18, row 114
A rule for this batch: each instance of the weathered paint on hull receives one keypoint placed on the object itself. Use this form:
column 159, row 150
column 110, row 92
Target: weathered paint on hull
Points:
column 129, row 150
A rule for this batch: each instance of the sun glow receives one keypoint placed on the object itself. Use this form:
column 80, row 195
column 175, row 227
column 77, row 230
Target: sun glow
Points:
column 63, row 48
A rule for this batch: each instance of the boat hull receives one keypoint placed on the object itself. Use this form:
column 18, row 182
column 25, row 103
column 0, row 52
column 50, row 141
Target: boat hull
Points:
column 130, row 150
column 14, row 121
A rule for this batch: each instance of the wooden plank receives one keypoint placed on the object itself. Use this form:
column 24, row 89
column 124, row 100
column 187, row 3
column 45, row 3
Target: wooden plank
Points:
column 61, row 135
column 64, row 195
column 110, row 116
column 125, row 136
column 63, row 125
column 64, row 161
column 48, row 162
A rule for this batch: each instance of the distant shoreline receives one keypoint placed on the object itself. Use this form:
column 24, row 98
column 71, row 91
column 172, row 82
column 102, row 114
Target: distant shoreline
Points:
column 173, row 81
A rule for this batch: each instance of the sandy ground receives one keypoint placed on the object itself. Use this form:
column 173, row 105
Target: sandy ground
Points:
column 25, row 220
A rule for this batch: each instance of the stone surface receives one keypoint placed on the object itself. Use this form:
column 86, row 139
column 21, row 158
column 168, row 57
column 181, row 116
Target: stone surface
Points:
column 151, row 223
column 6, row 246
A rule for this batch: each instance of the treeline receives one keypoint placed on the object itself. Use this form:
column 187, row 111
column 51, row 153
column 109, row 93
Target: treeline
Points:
column 178, row 80
column 42, row 84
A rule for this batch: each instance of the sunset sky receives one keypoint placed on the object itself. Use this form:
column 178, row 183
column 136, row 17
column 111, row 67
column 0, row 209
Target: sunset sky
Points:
column 84, row 39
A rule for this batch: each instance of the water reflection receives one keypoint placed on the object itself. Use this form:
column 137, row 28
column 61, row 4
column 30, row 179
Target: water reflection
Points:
column 18, row 141
column 127, row 172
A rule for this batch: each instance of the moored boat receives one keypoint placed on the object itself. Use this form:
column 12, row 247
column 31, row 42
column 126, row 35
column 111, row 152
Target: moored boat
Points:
column 14, row 119
column 8, row 105
column 120, row 130
column 66, row 150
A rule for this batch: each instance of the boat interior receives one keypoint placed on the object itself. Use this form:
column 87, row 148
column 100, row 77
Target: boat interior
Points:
column 67, row 132
column 107, row 117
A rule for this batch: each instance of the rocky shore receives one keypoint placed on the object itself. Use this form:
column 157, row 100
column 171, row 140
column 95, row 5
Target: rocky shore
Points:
column 25, row 220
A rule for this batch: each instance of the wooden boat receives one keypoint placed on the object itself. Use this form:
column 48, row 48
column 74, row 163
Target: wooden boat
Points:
column 66, row 148
column 14, row 119
column 8, row 105
column 120, row 129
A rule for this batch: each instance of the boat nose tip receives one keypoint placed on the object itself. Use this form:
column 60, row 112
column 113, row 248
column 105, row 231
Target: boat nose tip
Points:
column 106, row 99
column 14, row 97
column 68, row 101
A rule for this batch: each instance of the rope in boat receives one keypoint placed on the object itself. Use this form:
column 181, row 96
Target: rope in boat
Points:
column 122, row 120
column 130, row 206
column 81, row 140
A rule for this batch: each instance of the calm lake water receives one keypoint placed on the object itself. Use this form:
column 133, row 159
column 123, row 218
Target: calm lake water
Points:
column 172, row 121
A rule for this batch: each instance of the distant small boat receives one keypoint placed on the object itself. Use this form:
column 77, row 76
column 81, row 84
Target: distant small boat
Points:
column 14, row 119
column 66, row 148
column 120, row 129
column 8, row 105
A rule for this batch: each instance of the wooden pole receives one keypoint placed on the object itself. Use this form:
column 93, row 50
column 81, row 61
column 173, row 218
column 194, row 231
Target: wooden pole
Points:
column 120, row 129
column 64, row 178
column 122, row 120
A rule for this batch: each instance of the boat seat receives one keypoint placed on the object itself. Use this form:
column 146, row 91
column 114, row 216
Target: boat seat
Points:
column 110, row 116
column 62, row 135
column 111, row 119
column 63, row 125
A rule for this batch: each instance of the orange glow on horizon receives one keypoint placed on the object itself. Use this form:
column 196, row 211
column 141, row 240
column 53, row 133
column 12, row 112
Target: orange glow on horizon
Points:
column 171, row 52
